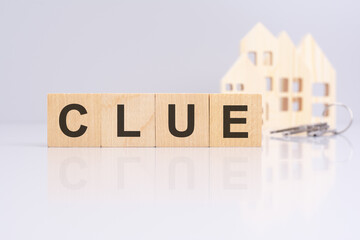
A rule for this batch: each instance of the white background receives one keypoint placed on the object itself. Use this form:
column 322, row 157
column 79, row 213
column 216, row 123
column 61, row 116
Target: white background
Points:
column 305, row 189
column 153, row 46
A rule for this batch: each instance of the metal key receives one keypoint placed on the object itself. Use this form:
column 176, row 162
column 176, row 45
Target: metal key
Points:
column 318, row 129
column 312, row 130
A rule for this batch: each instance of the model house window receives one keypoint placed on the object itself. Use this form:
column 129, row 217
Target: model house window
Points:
column 267, row 57
column 318, row 109
column 297, row 104
column 297, row 85
column 229, row 87
column 284, row 85
column 320, row 89
column 267, row 112
column 252, row 57
column 269, row 83
column 240, row 87
column 284, row 104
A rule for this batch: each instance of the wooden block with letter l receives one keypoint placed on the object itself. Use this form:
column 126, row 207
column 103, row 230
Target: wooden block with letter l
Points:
column 235, row 120
column 73, row 120
column 128, row 120
column 182, row 120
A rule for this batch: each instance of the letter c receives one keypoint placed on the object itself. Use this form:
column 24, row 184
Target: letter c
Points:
column 62, row 120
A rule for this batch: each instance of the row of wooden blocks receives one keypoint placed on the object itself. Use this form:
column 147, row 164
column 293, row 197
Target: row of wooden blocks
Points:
column 149, row 120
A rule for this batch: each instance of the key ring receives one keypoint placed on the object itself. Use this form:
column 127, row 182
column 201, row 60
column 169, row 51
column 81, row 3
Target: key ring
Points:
column 317, row 129
column 334, row 131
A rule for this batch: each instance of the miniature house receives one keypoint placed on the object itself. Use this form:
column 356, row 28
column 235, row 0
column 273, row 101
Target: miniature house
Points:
column 296, row 82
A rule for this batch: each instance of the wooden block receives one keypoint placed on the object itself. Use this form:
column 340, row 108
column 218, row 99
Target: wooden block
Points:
column 73, row 120
column 128, row 120
column 235, row 120
column 182, row 120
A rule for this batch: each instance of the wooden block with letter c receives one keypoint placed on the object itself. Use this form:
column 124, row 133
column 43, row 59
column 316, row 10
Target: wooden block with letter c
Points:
column 73, row 120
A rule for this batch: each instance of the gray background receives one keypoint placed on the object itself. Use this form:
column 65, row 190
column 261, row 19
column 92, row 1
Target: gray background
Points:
column 153, row 46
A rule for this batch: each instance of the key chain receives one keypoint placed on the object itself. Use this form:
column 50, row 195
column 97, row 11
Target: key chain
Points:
column 318, row 129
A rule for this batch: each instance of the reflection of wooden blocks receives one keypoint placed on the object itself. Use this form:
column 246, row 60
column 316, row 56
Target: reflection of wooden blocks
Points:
column 128, row 120
column 182, row 174
column 73, row 120
column 235, row 174
column 182, row 120
column 235, row 120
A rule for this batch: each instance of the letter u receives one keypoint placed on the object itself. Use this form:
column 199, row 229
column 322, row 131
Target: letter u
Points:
column 191, row 121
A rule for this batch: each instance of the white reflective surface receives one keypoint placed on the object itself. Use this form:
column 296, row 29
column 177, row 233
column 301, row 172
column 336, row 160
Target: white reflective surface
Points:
column 288, row 189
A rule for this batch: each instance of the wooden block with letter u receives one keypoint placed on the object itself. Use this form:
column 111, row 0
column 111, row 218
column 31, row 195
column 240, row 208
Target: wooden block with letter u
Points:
column 182, row 120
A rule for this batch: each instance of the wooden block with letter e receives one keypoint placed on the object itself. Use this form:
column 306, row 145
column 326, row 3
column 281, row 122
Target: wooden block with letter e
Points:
column 73, row 120
column 182, row 120
column 128, row 120
column 235, row 120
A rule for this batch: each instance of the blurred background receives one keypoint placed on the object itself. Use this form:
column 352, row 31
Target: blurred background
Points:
column 153, row 46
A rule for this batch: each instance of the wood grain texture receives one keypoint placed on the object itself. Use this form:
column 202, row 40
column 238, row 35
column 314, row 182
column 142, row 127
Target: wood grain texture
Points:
column 91, row 137
column 252, row 115
column 323, row 73
column 274, row 66
column 200, row 134
column 139, row 115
